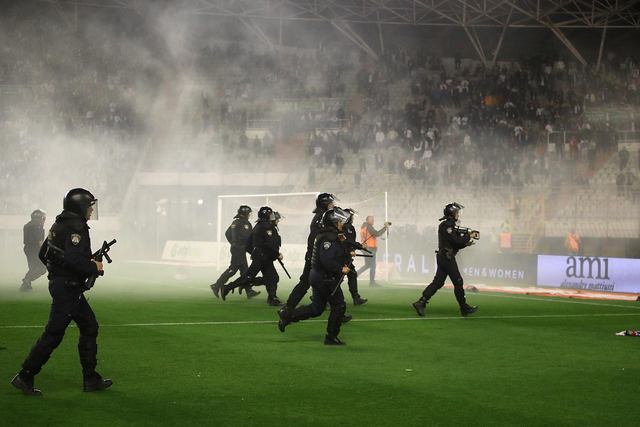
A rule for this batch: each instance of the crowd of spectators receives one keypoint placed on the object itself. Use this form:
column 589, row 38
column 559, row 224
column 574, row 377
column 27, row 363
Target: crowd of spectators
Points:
column 428, row 119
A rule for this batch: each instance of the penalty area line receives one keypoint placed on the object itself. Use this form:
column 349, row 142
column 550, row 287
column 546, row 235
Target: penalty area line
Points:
column 382, row 319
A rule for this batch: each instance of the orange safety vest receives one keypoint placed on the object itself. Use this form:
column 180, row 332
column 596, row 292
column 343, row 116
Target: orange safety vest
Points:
column 573, row 242
column 367, row 239
column 505, row 240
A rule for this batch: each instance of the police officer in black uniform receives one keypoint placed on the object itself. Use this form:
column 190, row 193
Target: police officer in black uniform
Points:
column 237, row 234
column 324, row 201
column 451, row 239
column 67, row 254
column 330, row 262
column 33, row 236
column 264, row 247
column 351, row 236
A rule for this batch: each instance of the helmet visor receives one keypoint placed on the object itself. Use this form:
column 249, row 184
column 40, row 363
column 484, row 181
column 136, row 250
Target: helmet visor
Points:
column 94, row 210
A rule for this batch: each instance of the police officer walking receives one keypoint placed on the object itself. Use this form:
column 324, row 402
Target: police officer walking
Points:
column 67, row 254
column 369, row 239
column 264, row 247
column 350, row 235
column 330, row 262
column 33, row 236
column 451, row 239
column 237, row 234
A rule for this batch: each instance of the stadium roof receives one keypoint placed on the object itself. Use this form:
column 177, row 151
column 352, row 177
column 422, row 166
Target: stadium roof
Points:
column 470, row 15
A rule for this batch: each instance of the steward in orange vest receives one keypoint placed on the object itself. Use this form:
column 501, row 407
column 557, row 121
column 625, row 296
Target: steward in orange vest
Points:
column 368, row 238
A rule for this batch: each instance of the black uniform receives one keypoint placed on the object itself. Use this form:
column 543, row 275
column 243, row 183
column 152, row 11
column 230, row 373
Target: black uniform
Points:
column 352, row 277
column 300, row 290
column 67, row 273
column 450, row 241
column 33, row 235
column 264, row 247
column 237, row 234
column 327, row 259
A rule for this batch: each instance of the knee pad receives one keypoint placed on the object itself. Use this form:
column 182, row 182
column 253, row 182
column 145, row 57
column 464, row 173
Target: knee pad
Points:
column 457, row 281
column 318, row 308
column 90, row 331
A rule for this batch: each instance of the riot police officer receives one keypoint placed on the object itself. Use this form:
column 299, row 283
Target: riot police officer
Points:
column 67, row 254
column 350, row 235
column 330, row 262
column 33, row 236
column 264, row 247
column 324, row 202
column 451, row 239
column 237, row 234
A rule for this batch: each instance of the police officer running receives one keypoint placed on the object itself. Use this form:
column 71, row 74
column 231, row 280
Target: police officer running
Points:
column 324, row 201
column 264, row 247
column 67, row 254
column 237, row 234
column 349, row 232
column 33, row 236
column 330, row 262
column 451, row 239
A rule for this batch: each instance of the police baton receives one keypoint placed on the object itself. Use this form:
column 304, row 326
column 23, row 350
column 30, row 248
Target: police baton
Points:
column 284, row 268
column 338, row 285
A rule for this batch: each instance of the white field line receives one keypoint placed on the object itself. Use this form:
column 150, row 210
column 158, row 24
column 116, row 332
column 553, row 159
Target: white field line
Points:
column 391, row 319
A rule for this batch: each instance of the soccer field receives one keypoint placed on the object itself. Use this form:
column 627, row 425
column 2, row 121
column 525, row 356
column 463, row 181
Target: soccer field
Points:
column 178, row 356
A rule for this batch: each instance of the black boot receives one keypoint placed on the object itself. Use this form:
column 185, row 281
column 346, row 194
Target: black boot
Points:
column 216, row 289
column 95, row 382
column 274, row 301
column 285, row 318
column 25, row 287
column 346, row 318
column 467, row 309
column 226, row 289
column 23, row 381
column 420, row 306
column 251, row 293
column 329, row 340
column 357, row 300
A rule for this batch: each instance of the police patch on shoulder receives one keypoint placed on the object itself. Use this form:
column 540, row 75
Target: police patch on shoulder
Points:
column 75, row 238
column 326, row 245
column 449, row 230
column 269, row 232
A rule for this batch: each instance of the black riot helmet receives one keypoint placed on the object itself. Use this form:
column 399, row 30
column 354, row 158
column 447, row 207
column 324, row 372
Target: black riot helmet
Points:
column 38, row 215
column 332, row 217
column 323, row 201
column 451, row 210
column 79, row 200
column 352, row 213
column 243, row 212
column 266, row 213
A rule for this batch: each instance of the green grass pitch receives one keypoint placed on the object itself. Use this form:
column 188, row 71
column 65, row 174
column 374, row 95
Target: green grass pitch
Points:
column 178, row 356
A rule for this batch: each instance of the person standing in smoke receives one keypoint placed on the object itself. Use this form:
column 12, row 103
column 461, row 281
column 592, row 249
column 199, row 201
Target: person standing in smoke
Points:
column 67, row 254
column 324, row 202
column 264, row 247
column 33, row 236
column 237, row 234
column 451, row 239
column 369, row 239
column 350, row 234
column 330, row 261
